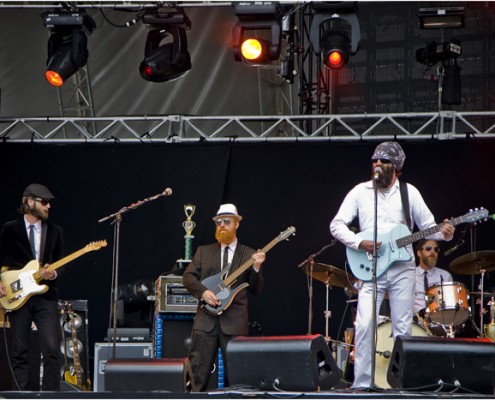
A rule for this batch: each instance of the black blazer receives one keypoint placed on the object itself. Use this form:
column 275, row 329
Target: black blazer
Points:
column 205, row 263
column 15, row 251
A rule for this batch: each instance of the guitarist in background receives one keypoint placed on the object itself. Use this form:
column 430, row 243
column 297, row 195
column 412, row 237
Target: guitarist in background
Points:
column 399, row 280
column 213, row 331
column 27, row 238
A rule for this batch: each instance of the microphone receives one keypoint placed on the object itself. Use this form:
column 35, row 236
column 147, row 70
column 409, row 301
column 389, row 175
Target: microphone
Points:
column 378, row 171
column 452, row 249
column 167, row 192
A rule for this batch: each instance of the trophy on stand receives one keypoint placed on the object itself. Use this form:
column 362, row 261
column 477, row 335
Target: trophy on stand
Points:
column 188, row 226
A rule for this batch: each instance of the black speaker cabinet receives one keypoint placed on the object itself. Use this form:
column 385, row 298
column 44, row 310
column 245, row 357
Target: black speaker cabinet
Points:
column 75, row 337
column 130, row 375
column 425, row 362
column 297, row 363
column 176, row 338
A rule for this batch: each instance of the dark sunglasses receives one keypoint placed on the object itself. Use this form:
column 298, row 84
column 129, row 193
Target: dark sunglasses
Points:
column 219, row 221
column 382, row 160
column 43, row 202
column 429, row 248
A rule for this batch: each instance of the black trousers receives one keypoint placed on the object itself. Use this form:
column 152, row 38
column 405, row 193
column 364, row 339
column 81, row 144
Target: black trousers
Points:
column 204, row 346
column 44, row 313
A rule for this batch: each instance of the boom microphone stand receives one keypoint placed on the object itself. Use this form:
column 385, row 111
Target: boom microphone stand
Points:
column 116, row 220
column 378, row 171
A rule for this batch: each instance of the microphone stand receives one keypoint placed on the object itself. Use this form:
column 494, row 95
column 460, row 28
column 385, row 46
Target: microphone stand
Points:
column 311, row 262
column 116, row 220
column 374, row 287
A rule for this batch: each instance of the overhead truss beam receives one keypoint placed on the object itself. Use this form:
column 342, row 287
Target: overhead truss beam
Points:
column 181, row 128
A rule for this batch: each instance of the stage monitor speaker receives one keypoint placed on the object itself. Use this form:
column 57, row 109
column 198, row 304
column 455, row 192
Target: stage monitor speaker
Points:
column 134, row 375
column 427, row 362
column 296, row 363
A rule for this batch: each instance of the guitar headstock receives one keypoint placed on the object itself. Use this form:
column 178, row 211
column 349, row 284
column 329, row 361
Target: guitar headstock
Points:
column 475, row 215
column 96, row 245
column 286, row 234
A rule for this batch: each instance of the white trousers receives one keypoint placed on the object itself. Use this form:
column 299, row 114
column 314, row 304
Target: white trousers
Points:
column 399, row 282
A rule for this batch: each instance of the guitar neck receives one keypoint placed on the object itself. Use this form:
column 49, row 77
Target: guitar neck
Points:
column 61, row 262
column 75, row 352
column 413, row 237
column 234, row 275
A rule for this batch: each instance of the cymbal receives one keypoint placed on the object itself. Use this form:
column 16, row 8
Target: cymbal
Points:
column 473, row 263
column 328, row 273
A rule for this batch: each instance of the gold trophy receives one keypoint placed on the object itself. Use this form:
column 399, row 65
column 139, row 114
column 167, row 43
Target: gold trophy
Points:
column 490, row 328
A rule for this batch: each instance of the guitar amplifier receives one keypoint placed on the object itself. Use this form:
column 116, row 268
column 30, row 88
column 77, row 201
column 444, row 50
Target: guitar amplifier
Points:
column 174, row 297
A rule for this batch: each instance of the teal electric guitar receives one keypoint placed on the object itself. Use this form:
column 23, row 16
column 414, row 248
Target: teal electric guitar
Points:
column 393, row 248
column 221, row 283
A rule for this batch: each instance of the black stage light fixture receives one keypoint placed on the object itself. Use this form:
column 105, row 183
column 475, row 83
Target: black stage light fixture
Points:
column 433, row 53
column 441, row 17
column 335, row 32
column 256, row 37
column 165, row 56
column 67, row 46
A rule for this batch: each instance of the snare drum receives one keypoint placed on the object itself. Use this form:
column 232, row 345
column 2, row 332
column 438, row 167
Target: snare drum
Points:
column 448, row 303
column 384, row 348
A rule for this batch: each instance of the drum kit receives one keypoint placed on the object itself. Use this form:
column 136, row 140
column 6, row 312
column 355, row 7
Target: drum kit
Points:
column 447, row 304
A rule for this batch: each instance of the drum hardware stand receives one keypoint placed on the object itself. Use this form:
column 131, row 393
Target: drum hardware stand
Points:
column 490, row 328
column 327, row 313
column 311, row 261
column 482, row 307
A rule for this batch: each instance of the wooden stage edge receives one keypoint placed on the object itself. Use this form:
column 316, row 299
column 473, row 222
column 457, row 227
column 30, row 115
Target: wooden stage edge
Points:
column 246, row 394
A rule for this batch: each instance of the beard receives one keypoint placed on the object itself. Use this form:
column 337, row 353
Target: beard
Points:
column 430, row 261
column 385, row 178
column 224, row 236
column 38, row 213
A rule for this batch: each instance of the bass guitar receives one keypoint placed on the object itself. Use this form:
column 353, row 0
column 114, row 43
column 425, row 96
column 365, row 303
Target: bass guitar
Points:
column 393, row 248
column 20, row 285
column 74, row 375
column 221, row 283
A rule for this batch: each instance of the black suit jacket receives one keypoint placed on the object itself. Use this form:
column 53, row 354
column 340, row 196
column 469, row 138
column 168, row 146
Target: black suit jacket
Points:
column 205, row 263
column 15, row 251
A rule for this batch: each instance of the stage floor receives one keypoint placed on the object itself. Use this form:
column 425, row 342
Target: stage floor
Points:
column 248, row 394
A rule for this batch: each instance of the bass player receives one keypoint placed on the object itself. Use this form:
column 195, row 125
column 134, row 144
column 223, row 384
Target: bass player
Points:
column 399, row 280
column 211, row 331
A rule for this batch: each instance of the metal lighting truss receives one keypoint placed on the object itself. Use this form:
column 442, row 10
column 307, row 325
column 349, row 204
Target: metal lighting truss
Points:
column 250, row 128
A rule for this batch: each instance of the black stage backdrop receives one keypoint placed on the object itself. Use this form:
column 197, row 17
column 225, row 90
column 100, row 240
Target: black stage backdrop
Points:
column 273, row 185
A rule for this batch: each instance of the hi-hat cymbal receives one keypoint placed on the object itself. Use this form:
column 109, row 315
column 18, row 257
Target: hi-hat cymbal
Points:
column 328, row 273
column 473, row 263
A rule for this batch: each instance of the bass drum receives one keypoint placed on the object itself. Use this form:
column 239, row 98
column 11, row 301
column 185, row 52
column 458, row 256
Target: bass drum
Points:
column 384, row 347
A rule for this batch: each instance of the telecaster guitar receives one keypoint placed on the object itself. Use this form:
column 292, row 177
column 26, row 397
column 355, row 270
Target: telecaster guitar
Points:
column 221, row 285
column 20, row 285
column 393, row 248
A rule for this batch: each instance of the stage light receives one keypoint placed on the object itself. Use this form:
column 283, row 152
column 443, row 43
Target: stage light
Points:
column 433, row 53
column 67, row 46
column 335, row 49
column 256, row 36
column 164, row 62
column 335, row 32
column 441, row 17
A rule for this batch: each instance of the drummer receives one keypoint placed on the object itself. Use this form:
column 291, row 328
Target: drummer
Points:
column 427, row 273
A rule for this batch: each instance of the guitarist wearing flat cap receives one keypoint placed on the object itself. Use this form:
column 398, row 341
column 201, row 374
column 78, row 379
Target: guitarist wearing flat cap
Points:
column 218, row 320
column 32, row 237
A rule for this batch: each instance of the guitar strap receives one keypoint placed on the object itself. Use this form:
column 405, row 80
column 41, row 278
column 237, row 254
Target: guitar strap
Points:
column 405, row 203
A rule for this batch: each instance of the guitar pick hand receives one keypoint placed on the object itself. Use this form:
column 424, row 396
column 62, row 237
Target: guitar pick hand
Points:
column 209, row 297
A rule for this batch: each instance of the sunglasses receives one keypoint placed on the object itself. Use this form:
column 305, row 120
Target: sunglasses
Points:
column 382, row 160
column 43, row 202
column 226, row 221
column 430, row 248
